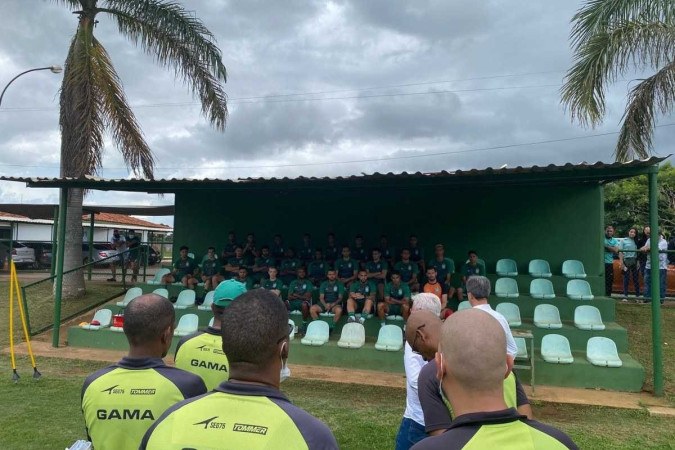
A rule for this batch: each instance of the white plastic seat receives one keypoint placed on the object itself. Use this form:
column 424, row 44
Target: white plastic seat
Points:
column 317, row 333
column 399, row 318
column 353, row 336
column 291, row 335
column 191, row 255
column 507, row 268
column 327, row 314
column 463, row 305
column 158, row 276
column 208, row 300
column 587, row 317
column 601, row 351
column 541, row 288
column 522, row 348
column 579, row 290
column 511, row 313
column 547, row 316
column 213, row 319
column 163, row 292
column 295, row 312
column 117, row 329
column 573, row 269
column 130, row 295
column 539, row 268
column 390, row 338
column 555, row 348
column 506, row 288
column 103, row 316
column 185, row 299
column 187, row 324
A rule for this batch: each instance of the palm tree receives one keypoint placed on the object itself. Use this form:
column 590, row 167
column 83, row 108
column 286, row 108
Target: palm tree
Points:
column 611, row 38
column 93, row 101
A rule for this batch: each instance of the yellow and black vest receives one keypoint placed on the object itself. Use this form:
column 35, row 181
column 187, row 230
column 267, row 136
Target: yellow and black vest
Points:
column 202, row 354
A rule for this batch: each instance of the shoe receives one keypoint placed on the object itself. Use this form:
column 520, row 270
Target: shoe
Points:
column 625, row 300
column 362, row 320
column 351, row 319
column 112, row 279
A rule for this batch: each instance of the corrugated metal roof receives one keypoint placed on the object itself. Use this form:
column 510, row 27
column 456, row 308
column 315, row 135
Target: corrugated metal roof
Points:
column 582, row 172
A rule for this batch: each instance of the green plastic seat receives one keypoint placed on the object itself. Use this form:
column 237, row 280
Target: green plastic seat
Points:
column 541, row 288
column 187, row 324
column 317, row 333
column 158, row 276
column 162, row 292
column 130, row 295
column 555, row 349
column 463, row 305
column 353, row 336
column 522, row 348
column 587, row 317
column 547, row 316
column 208, row 301
column 579, row 290
column 601, row 351
column 511, row 313
column 539, row 268
column 185, row 299
column 573, row 269
column 104, row 318
column 507, row 268
column 506, row 288
column 389, row 339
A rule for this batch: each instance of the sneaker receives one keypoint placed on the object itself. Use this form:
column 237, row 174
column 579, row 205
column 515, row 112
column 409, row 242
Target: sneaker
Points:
column 362, row 320
column 351, row 319
column 625, row 300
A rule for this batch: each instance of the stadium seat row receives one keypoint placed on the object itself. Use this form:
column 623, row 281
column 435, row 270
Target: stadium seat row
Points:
column 540, row 268
column 555, row 349
column 543, row 288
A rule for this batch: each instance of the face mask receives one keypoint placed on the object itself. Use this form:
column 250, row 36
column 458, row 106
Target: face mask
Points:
column 285, row 372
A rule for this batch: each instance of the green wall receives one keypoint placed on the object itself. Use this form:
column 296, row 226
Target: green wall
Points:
column 553, row 222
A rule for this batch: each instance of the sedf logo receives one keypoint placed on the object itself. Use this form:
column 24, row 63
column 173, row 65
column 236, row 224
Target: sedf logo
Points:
column 114, row 390
column 210, row 423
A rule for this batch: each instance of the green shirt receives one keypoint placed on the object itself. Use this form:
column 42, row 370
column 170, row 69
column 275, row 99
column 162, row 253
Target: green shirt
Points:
column 269, row 284
column 248, row 282
column 317, row 269
column 210, row 267
column 346, row 268
column 202, row 354
column 332, row 292
column 611, row 242
column 407, row 270
column 443, row 268
column 264, row 262
column 374, row 268
column 290, row 265
column 627, row 245
column 237, row 262
column 300, row 287
column 397, row 292
column 184, row 267
column 134, row 244
column 331, row 253
column 366, row 289
column 468, row 270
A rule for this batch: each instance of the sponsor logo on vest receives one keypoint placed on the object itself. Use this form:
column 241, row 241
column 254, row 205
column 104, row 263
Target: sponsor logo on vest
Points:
column 208, row 365
column 124, row 414
column 246, row 428
column 114, row 390
column 210, row 423
column 143, row 391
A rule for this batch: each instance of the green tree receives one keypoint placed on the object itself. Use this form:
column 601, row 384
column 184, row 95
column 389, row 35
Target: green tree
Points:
column 611, row 38
column 627, row 201
column 93, row 101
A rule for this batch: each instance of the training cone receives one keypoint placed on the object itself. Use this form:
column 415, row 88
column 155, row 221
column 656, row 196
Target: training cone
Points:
column 36, row 373
column 15, row 376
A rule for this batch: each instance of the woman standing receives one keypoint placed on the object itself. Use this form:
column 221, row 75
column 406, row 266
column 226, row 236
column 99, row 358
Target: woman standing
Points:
column 629, row 266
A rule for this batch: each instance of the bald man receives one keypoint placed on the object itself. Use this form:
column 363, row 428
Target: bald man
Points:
column 423, row 333
column 471, row 367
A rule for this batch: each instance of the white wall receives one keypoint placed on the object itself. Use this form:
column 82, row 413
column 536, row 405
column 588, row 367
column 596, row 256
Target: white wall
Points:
column 33, row 232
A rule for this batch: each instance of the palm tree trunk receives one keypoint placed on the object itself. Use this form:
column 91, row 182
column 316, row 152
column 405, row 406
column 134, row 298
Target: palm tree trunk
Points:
column 73, row 283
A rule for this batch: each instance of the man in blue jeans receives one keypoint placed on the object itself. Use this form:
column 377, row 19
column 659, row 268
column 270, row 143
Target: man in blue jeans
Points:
column 663, row 269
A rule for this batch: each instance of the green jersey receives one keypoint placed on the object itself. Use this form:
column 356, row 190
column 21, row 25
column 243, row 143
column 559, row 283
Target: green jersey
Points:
column 300, row 287
column 270, row 285
column 331, row 253
column 407, row 270
column 265, row 263
column 332, row 292
column 397, row 292
column 443, row 268
column 184, row 267
column 210, row 267
column 201, row 353
column 346, row 267
column 248, row 282
column 317, row 269
column 468, row 270
column 290, row 265
column 374, row 268
column 366, row 289
column 237, row 262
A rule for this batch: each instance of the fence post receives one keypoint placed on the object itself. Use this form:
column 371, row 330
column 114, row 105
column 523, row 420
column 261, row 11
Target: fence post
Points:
column 58, row 289
column 656, row 276
column 91, row 245
column 52, row 266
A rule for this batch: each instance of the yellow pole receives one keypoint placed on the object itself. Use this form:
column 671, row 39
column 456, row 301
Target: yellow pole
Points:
column 36, row 374
column 12, row 274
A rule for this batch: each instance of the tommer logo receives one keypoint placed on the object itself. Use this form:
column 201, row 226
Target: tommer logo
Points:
column 114, row 390
column 246, row 428
column 143, row 391
column 209, row 423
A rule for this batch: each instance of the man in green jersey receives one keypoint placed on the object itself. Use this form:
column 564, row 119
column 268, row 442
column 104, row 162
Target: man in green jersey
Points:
column 346, row 267
column 306, row 251
column 360, row 253
column 243, row 278
column 248, row 411
column 228, row 249
column 236, row 262
column 122, row 401
column 416, row 252
column 201, row 353
column 376, row 269
column 331, row 294
column 445, row 267
column 388, row 252
column 396, row 299
column 300, row 296
column 262, row 265
column 183, row 270
column 409, row 270
column 278, row 249
column 361, row 297
column 332, row 252
column 210, row 267
column 473, row 266
column 272, row 284
column 317, row 268
column 289, row 266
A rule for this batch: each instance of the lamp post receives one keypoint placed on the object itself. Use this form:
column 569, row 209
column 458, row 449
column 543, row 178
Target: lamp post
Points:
column 54, row 69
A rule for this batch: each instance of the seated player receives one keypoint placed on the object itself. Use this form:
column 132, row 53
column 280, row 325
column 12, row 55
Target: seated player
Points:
column 408, row 270
column 473, row 266
column 236, row 262
column 361, row 297
column 289, row 266
column 229, row 248
column 331, row 293
column 360, row 253
column 332, row 252
column 416, row 252
column 272, row 283
column 242, row 277
column 346, row 267
column 377, row 272
column 396, row 299
column 317, row 268
column 388, row 253
column 434, row 286
column 183, row 270
column 306, row 251
column 278, row 250
column 300, row 296
column 262, row 264
column 210, row 267
column 250, row 249
column 445, row 267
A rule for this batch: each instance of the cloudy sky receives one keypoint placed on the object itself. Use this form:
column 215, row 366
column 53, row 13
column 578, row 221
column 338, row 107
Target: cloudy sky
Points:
column 322, row 88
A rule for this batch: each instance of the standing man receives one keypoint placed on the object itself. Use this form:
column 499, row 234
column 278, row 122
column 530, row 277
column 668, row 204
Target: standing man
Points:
column 361, row 297
column 377, row 272
column 396, row 299
column 122, row 401
column 663, row 269
column 118, row 243
column 612, row 248
column 248, row 411
column 471, row 267
column 640, row 242
column 331, row 294
column 300, row 296
column 183, row 270
column 134, row 246
column 210, row 267
column 472, row 343
column 409, row 270
column 346, row 267
column 201, row 353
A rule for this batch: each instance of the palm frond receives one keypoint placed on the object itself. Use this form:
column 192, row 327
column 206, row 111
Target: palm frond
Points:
column 119, row 117
column 605, row 56
column 650, row 97
column 81, row 121
column 168, row 32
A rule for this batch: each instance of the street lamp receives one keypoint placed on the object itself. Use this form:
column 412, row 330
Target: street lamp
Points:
column 53, row 69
